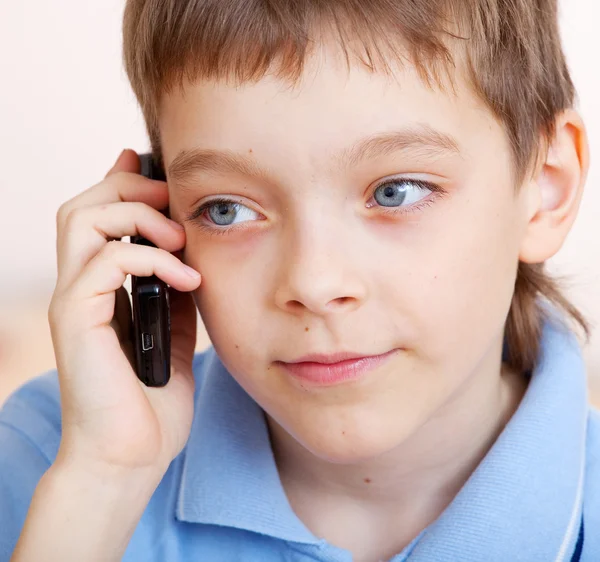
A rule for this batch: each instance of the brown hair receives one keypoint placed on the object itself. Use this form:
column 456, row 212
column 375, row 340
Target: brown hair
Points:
column 512, row 54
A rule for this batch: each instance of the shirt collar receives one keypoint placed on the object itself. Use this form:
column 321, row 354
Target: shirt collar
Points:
column 524, row 500
column 229, row 476
column 525, row 496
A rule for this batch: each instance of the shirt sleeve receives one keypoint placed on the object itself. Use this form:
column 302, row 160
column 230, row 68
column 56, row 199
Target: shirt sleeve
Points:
column 29, row 438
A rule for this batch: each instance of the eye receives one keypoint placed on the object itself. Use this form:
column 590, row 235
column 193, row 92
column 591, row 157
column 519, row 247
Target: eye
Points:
column 402, row 192
column 393, row 195
column 224, row 212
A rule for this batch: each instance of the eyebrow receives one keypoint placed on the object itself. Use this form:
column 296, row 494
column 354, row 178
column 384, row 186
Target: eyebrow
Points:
column 422, row 139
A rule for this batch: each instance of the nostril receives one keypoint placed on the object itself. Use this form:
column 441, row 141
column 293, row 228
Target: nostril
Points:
column 340, row 301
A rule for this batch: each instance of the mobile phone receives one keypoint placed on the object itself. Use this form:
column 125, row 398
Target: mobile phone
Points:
column 151, row 311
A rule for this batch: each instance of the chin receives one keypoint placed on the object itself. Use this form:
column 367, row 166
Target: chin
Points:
column 348, row 446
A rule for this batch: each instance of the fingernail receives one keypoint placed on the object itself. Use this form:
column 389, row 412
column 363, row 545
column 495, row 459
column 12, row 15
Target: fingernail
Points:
column 120, row 155
column 191, row 272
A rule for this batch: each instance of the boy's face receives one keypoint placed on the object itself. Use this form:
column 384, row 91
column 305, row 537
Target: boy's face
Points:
column 309, row 260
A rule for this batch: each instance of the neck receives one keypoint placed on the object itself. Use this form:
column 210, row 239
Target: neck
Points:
column 408, row 487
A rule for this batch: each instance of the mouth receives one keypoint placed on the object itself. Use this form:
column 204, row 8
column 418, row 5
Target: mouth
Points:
column 333, row 369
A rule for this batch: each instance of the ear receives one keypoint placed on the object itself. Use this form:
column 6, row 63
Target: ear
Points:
column 554, row 194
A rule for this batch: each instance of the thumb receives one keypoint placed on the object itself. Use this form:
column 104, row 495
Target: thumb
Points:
column 128, row 161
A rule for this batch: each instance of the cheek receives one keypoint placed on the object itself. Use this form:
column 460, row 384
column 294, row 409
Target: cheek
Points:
column 225, row 305
column 467, row 280
column 231, row 305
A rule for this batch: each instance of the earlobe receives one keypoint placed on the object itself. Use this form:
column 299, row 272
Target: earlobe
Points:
column 558, row 188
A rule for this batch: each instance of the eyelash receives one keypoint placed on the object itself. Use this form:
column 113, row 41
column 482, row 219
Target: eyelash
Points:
column 436, row 191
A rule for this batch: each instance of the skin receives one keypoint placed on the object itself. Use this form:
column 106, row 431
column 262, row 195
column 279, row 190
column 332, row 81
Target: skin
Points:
column 309, row 266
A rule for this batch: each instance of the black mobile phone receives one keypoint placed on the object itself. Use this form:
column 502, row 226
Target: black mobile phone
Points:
column 151, row 312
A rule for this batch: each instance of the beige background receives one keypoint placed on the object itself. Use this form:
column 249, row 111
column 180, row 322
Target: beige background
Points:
column 67, row 111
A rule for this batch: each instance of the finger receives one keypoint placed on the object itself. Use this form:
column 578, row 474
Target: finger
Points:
column 88, row 229
column 107, row 272
column 119, row 187
column 128, row 161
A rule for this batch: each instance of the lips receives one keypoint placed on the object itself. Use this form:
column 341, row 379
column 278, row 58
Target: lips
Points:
column 332, row 369
column 331, row 358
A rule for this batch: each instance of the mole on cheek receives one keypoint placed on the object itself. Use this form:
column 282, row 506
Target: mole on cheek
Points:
column 367, row 480
column 306, row 329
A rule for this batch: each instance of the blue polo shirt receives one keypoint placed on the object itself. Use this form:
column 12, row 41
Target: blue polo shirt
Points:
column 221, row 499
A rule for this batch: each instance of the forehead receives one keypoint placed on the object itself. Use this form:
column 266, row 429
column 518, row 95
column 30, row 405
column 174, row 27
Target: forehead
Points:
column 328, row 107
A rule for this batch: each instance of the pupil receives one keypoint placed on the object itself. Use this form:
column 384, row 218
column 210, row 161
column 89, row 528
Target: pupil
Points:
column 221, row 213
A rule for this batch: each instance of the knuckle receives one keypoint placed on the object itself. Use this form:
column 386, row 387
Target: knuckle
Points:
column 63, row 212
column 116, row 180
column 51, row 312
column 161, row 254
column 139, row 207
column 62, row 315
column 137, row 210
column 55, row 310
column 74, row 218
column 118, row 175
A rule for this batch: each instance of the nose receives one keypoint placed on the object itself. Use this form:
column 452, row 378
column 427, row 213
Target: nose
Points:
column 321, row 271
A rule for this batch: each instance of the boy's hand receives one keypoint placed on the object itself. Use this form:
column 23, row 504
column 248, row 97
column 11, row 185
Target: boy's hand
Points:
column 110, row 420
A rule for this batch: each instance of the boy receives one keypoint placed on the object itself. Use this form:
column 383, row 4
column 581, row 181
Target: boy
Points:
column 391, row 376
